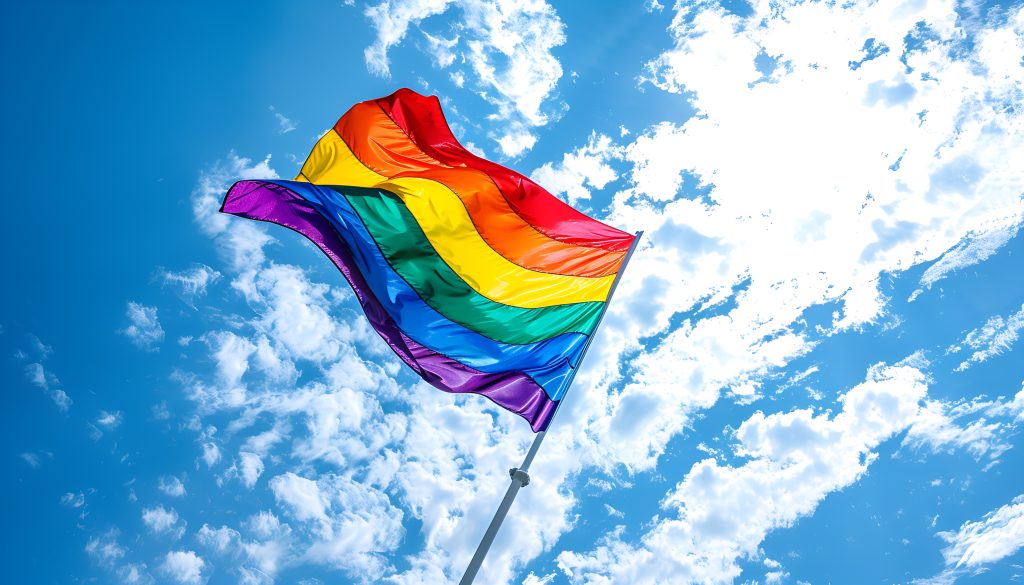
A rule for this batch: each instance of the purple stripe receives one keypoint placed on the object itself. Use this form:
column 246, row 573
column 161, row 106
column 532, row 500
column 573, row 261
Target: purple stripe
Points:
column 514, row 391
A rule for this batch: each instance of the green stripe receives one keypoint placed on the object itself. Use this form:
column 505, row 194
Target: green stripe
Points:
column 409, row 252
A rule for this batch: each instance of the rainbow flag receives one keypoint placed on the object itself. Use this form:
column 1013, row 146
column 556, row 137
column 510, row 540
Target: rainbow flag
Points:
column 480, row 280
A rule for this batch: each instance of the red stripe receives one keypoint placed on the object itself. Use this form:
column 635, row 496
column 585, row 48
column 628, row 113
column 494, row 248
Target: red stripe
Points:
column 422, row 119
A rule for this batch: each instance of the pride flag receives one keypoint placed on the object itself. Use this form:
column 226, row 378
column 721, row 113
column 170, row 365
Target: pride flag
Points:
column 480, row 280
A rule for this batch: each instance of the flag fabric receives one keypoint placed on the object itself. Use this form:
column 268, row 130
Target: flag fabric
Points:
column 479, row 279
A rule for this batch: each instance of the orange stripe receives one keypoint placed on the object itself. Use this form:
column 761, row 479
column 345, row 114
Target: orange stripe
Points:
column 384, row 147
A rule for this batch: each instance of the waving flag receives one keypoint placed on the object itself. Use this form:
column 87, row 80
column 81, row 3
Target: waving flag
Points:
column 479, row 279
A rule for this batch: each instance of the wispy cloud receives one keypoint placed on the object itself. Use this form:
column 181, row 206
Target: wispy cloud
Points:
column 241, row 242
column 35, row 459
column 973, row 249
column 134, row 574
column 46, row 381
column 996, row 336
column 172, row 486
column 191, row 283
column 144, row 331
column 941, row 427
column 160, row 520
column 73, row 500
column 976, row 544
column 109, row 420
column 284, row 124
column 504, row 51
column 104, row 548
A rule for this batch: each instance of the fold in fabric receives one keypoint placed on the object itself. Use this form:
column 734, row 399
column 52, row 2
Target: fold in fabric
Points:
column 512, row 390
column 548, row 361
column 443, row 217
column 380, row 144
column 410, row 254
column 422, row 119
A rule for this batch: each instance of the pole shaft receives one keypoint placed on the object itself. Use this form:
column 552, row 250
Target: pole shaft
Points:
column 520, row 477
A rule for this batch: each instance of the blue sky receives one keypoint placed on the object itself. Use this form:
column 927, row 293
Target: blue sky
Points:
column 810, row 374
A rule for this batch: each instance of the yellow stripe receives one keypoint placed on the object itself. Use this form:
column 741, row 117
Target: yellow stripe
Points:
column 447, row 224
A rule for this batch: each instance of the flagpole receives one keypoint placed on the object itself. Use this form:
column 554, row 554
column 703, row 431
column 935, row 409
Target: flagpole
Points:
column 520, row 475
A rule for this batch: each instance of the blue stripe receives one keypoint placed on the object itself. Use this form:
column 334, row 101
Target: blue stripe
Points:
column 544, row 361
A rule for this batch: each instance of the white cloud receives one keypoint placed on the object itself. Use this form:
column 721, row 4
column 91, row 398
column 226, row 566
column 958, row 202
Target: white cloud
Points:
column 516, row 142
column 613, row 512
column 231, row 353
column 46, row 381
column 969, row 425
column 783, row 158
column 654, row 6
column 191, row 283
column 366, row 527
column 252, row 576
column 302, row 497
column 221, row 540
column 134, row 574
column 998, row 535
column 503, row 49
column 262, row 443
column 240, row 241
column 1012, row 408
column 978, row 544
column 31, row 459
column 104, row 548
column 284, row 124
column 720, row 514
column 271, row 361
column 656, row 161
column 354, row 524
column 993, row 338
column 39, row 348
column 295, row 311
column 581, row 171
column 271, row 543
column 172, row 486
column 160, row 520
column 211, row 454
column 974, row 249
column 37, row 375
column 250, row 468
column 532, row 579
column 183, row 567
column 73, row 500
column 392, row 23
column 61, row 399
column 442, row 50
column 160, row 411
column 145, row 330
column 109, row 419
column 982, row 427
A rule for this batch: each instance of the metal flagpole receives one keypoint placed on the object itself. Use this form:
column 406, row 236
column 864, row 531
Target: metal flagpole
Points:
column 520, row 475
